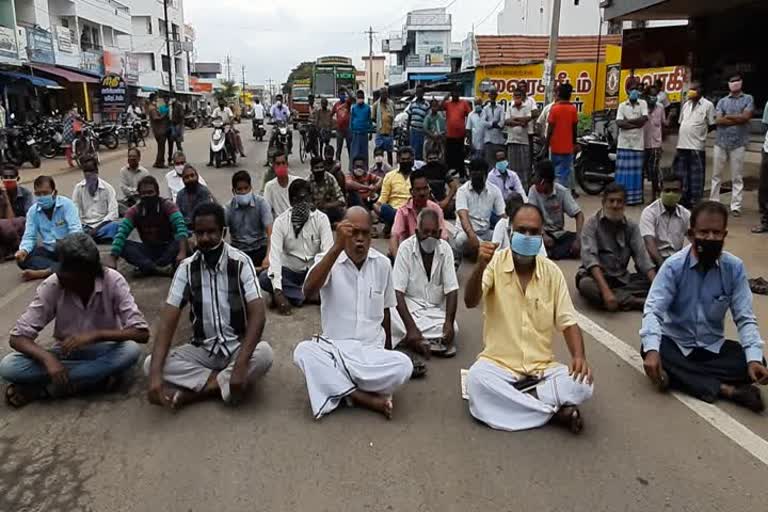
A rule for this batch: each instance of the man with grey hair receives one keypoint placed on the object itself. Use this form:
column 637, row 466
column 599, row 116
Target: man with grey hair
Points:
column 173, row 178
column 96, row 332
column 426, row 289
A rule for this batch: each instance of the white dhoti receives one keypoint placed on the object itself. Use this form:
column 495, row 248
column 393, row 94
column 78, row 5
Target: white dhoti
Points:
column 190, row 367
column 428, row 317
column 494, row 401
column 334, row 369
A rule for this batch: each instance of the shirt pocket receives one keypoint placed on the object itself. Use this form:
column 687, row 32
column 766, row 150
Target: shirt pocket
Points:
column 542, row 314
column 718, row 308
column 375, row 303
column 435, row 294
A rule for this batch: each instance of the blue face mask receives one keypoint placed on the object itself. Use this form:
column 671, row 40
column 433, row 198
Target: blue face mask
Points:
column 502, row 166
column 634, row 95
column 525, row 245
column 243, row 199
column 478, row 108
column 46, row 202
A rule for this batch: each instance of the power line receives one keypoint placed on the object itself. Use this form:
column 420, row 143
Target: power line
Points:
column 489, row 14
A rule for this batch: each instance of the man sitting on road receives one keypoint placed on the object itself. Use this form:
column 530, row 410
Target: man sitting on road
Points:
column 96, row 201
column 276, row 189
column 395, row 189
column 608, row 242
column 130, row 175
column 555, row 200
column 173, row 178
column 406, row 221
column 516, row 383
column 162, row 231
column 380, row 167
column 426, row 288
column 51, row 218
column 362, row 186
column 443, row 183
column 476, row 202
column 97, row 328
column 192, row 195
column 352, row 360
column 15, row 202
column 505, row 178
column 223, row 358
column 664, row 222
column 327, row 196
column 502, row 233
column 299, row 234
column 683, row 341
column 333, row 167
column 250, row 221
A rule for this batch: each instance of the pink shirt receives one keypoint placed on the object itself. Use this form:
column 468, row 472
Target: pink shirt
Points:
column 111, row 306
column 652, row 129
column 407, row 219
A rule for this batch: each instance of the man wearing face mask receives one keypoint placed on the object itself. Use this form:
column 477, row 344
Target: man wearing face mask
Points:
column 162, row 231
column 360, row 125
column 476, row 202
column 517, row 121
column 732, row 115
column 516, row 383
column 353, row 360
column 280, row 113
column 417, row 110
column 505, row 178
column 333, row 167
column 406, row 218
column 276, row 189
column 327, row 196
column 697, row 118
column 652, row 137
column 683, row 339
column 395, row 188
column 380, row 167
column 15, row 202
column 340, row 113
column 173, row 177
column 664, row 222
column 362, row 186
column 192, row 195
column 631, row 117
column 476, row 130
column 426, row 288
column 608, row 242
column 50, row 218
column 250, row 221
column 226, row 354
column 493, row 123
column 444, row 183
column 96, row 201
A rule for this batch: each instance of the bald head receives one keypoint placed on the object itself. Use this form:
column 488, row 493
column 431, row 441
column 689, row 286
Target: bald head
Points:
column 359, row 216
column 359, row 243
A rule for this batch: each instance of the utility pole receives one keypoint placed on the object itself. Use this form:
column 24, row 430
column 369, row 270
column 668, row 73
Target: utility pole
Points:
column 171, row 60
column 229, row 67
column 369, row 78
column 269, row 88
column 242, row 92
column 554, row 35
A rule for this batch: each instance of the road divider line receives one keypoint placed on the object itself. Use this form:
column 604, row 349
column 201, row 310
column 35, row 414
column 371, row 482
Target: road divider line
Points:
column 719, row 419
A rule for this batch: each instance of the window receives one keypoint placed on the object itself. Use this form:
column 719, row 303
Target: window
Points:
column 161, row 25
column 166, row 64
column 149, row 24
column 65, row 22
column 152, row 62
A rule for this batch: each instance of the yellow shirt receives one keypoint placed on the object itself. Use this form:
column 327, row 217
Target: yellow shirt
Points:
column 518, row 327
column 395, row 189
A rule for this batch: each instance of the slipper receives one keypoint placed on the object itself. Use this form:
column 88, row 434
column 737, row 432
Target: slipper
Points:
column 16, row 399
column 436, row 346
column 571, row 418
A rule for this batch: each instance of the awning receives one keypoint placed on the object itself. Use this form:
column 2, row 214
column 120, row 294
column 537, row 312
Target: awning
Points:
column 37, row 81
column 69, row 76
column 426, row 78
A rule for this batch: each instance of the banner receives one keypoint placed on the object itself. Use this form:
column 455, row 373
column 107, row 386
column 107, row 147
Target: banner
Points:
column 673, row 80
column 114, row 93
column 8, row 48
column 40, row 45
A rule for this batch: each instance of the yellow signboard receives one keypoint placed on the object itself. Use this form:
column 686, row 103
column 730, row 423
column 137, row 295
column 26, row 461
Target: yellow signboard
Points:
column 672, row 77
column 587, row 79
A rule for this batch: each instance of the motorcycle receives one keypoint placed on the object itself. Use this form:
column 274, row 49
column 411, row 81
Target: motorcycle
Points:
column 595, row 164
column 20, row 145
column 48, row 134
column 106, row 135
column 191, row 121
column 258, row 129
column 222, row 146
column 279, row 140
column 85, row 145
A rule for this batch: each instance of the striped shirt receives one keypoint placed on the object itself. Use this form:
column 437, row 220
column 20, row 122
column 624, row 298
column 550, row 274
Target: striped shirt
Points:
column 218, row 298
column 417, row 111
column 159, row 224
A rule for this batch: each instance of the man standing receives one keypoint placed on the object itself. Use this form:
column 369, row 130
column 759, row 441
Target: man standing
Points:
column 360, row 124
column 159, row 122
column 130, row 175
column 417, row 111
column 276, row 189
column 51, row 218
column 733, row 114
column 631, row 117
column 176, row 128
column 652, row 137
column 683, row 340
column 493, row 122
column 518, row 119
column 562, row 127
column 476, row 132
column 353, row 359
column 456, row 113
column 323, row 121
column 664, row 222
column 396, row 188
column 384, row 120
column 327, row 196
column 516, row 383
column 192, row 195
column 223, row 358
column 406, row 218
column 762, row 193
column 299, row 234
column 250, row 221
column 608, row 242
column 426, row 288
column 340, row 112
column 96, row 201
column 97, row 329
column 697, row 117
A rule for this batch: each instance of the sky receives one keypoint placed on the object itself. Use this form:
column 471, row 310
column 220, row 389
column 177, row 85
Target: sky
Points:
column 270, row 37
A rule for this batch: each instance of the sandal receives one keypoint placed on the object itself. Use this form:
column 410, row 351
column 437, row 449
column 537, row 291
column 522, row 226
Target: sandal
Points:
column 16, row 399
column 570, row 417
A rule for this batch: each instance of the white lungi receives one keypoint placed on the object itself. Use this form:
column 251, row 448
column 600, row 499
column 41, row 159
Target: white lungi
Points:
column 334, row 369
column 429, row 318
column 494, row 401
column 189, row 367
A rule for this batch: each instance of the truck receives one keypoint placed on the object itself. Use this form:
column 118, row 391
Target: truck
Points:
column 299, row 100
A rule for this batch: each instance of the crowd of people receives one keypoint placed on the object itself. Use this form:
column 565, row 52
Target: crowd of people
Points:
column 382, row 313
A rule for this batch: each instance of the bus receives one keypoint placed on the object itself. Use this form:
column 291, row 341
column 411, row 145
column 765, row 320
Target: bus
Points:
column 331, row 74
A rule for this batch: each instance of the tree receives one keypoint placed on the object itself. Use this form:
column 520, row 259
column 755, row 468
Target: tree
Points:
column 228, row 92
column 300, row 72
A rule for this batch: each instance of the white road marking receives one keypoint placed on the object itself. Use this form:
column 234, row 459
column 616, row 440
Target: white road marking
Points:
column 722, row 421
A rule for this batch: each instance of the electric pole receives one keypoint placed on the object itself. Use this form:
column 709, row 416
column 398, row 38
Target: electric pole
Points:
column 171, row 60
column 554, row 35
column 369, row 78
column 242, row 93
column 229, row 66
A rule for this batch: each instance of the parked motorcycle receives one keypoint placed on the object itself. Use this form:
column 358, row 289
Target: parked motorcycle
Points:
column 20, row 145
column 106, row 135
column 86, row 145
column 258, row 129
column 48, row 134
column 595, row 164
column 222, row 145
column 191, row 121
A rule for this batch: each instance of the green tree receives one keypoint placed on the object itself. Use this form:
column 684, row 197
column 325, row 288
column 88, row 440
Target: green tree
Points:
column 302, row 71
column 228, row 92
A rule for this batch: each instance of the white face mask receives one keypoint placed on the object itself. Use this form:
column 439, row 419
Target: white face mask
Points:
column 428, row 245
column 179, row 169
column 378, row 159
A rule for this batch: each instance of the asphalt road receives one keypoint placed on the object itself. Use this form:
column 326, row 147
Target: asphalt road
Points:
column 640, row 450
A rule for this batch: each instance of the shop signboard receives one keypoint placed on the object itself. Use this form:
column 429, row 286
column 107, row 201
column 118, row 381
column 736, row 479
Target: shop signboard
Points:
column 8, row 47
column 198, row 86
column 92, row 61
column 431, row 47
column 113, row 92
column 64, row 39
column 673, row 79
column 131, row 69
column 40, row 46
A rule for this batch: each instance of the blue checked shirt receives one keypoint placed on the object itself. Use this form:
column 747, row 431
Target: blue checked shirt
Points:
column 733, row 137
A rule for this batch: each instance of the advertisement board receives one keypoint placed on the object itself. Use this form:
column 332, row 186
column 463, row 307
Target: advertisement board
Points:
column 113, row 92
column 8, row 47
column 432, row 48
column 64, row 39
column 673, row 79
column 40, row 45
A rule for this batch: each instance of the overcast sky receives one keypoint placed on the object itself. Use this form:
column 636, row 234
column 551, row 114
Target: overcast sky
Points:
column 270, row 37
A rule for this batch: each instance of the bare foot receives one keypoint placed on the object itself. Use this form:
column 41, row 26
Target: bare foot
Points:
column 374, row 402
column 32, row 275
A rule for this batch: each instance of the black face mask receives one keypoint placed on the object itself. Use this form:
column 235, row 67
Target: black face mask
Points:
column 406, row 167
column 478, row 183
column 150, row 203
column 708, row 251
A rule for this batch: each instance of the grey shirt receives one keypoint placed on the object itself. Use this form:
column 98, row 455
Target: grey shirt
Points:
column 187, row 201
column 667, row 227
column 553, row 207
column 248, row 224
column 610, row 246
column 732, row 137
column 494, row 114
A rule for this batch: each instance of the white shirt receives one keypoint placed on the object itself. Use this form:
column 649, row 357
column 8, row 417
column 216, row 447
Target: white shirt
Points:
column 258, row 111
column 352, row 301
column 632, row 138
column 542, row 123
column 225, row 115
column 668, row 228
column 297, row 253
column 129, row 180
column 533, row 106
column 475, row 124
column 277, row 196
column 501, row 237
column 95, row 209
column 518, row 134
column 410, row 277
column 663, row 99
column 479, row 206
column 175, row 183
column 695, row 120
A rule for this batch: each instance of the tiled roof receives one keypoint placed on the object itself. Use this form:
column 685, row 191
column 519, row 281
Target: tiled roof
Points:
column 512, row 50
